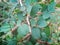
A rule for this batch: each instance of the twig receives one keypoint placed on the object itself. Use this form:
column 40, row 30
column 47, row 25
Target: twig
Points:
column 10, row 32
column 29, row 34
column 28, row 16
column 26, row 37
column 20, row 1
column 14, row 29
column 42, row 42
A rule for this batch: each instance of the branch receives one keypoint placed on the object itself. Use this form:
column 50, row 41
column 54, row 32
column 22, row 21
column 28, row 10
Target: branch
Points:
column 10, row 32
column 28, row 16
column 14, row 29
column 20, row 1
column 29, row 34
column 42, row 42
column 26, row 37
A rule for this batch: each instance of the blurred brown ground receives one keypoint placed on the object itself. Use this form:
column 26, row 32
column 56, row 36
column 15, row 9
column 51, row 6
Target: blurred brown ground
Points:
column 58, row 1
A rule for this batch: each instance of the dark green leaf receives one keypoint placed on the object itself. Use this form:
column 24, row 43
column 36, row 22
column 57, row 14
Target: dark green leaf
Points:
column 47, row 31
column 36, row 8
column 51, row 7
column 28, row 43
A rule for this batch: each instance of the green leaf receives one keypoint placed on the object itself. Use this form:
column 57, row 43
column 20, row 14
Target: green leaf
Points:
column 12, row 9
column 41, row 22
column 28, row 43
column 36, row 8
column 52, row 1
column 5, row 27
column 12, row 42
column 13, row 0
column 54, row 35
column 33, row 22
column 46, row 15
column 51, row 7
column 29, row 2
column 47, row 31
column 22, row 31
column 29, row 9
column 44, row 7
column 36, row 33
column 44, row 36
column 20, row 17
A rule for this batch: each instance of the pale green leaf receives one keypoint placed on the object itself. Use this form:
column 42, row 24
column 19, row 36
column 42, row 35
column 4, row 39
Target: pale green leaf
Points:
column 36, row 33
column 22, row 31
